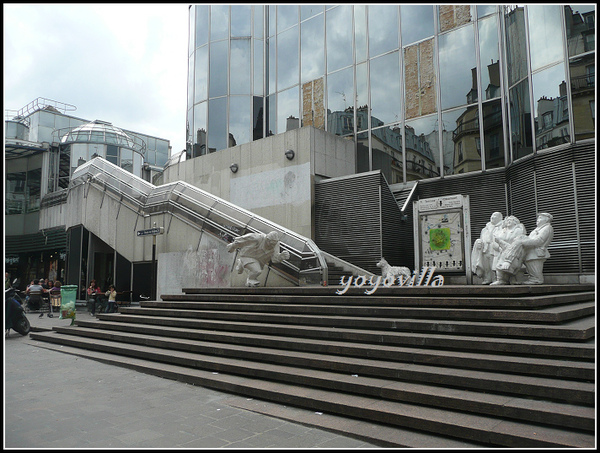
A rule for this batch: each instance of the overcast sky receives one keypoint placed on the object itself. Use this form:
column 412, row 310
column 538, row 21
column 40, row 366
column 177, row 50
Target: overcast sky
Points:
column 121, row 63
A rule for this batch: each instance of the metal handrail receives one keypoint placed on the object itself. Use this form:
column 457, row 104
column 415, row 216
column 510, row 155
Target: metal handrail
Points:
column 205, row 212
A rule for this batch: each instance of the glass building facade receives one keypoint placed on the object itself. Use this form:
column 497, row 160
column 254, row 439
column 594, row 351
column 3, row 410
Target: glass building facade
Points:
column 423, row 91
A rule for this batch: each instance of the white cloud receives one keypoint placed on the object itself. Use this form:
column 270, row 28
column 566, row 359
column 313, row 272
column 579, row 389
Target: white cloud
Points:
column 123, row 63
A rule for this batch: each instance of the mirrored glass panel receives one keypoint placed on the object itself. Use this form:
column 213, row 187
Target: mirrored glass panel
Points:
column 127, row 160
column 516, row 47
column 484, row 10
column 259, row 21
column 360, row 32
column 386, row 104
column 240, row 20
column 363, row 162
column 551, row 107
column 362, row 93
column 387, row 152
column 520, row 121
column 217, row 124
column 287, row 58
column 340, row 105
column 339, row 37
column 288, row 112
column 461, row 141
column 259, row 89
column 33, row 189
column 581, row 28
column 240, row 120
column 489, row 57
column 545, row 36
column 14, row 192
column 312, row 48
column 493, row 134
column 287, row 16
column 201, row 75
column 458, row 81
column 218, row 69
column 422, row 148
column 201, row 25
column 240, row 82
column 453, row 16
column 383, row 29
column 257, row 117
column 308, row 11
column 420, row 79
column 417, row 23
column 219, row 22
column 190, row 82
column 583, row 85
column 79, row 155
column 271, row 115
column 272, row 65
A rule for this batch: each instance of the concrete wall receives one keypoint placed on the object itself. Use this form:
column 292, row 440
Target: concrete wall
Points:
column 267, row 183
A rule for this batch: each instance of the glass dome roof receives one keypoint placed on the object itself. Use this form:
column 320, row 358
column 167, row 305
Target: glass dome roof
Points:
column 103, row 132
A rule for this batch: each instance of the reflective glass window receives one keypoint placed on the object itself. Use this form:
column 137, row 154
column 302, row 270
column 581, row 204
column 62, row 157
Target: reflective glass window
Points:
column 272, row 22
column 520, row 120
column 240, row 120
column 259, row 89
column 493, row 134
column 201, row 25
column 112, row 154
column 287, row 16
column 218, row 69
column 545, row 35
column 288, row 112
column 192, row 31
column 340, row 111
column 386, row 144
column 46, row 118
column 79, row 155
column 583, row 84
column 272, row 115
column 217, row 124
column 457, row 80
column 360, row 32
column 362, row 152
column 259, row 21
column 420, row 79
column 339, row 37
column 33, row 189
column 422, row 148
column 362, row 93
column 386, row 104
column 308, row 11
column 581, row 28
column 191, row 81
column 417, row 23
column 453, row 16
column 516, row 47
column 313, row 103
column 287, row 58
column 551, row 107
column 241, row 16
column 312, row 48
column 14, row 192
column 272, row 65
column 127, row 159
column 484, row 10
column 219, row 22
column 199, row 130
column 257, row 117
column 383, row 29
column 462, row 153
column 489, row 57
column 201, row 74
column 240, row 73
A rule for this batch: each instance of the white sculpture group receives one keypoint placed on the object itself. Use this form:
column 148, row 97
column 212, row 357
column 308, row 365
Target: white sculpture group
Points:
column 256, row 250
column 503, row 249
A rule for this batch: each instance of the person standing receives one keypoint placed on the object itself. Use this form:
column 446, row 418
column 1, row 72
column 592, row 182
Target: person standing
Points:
column 112, row 299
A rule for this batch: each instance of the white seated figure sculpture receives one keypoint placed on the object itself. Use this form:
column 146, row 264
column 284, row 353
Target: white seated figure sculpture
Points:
column 256, row 250
column 485, row 250
column 508, row 261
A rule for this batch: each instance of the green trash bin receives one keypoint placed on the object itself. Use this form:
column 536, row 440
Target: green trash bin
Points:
column 68, row 296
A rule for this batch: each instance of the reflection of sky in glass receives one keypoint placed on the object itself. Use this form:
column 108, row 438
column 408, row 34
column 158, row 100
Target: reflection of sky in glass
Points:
column 199, row 120
column 307, row 11
column 219, row 22
column 240, row 66
column 417, row 23
column 201, row 25
column 287, row 105
column 217, row 124
column 339, row 37
column 488, row 48
column 287, row 15
column 340, row 89
column 544, row 33
column 313, row 52
column 383, row 29
column 240, row 119
column 386, row 105
column 240, row 20
column 360, row 32
column 287, row 58
column 218, row 69
column 201, row 88
column 457, row 58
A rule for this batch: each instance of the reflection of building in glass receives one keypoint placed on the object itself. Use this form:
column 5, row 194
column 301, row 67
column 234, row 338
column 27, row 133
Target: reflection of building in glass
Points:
column 552, row 121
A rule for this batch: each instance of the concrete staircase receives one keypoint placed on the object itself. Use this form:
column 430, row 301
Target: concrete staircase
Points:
column 424, row 367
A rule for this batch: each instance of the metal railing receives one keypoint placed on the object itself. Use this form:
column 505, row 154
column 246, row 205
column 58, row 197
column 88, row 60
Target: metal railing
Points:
column 206, row 213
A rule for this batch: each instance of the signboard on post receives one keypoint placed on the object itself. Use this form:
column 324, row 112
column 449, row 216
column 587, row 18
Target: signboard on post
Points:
column 151, row 231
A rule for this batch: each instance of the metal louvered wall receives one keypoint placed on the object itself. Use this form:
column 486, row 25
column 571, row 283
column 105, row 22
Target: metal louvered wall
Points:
column 358, row 225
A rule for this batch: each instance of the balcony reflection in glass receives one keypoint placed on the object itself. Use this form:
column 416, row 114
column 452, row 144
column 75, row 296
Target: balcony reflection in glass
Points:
column 422, row 148
column 461, row 140
column 581, row 28
column 551, row 108
column 583, row 84
column 493, row 134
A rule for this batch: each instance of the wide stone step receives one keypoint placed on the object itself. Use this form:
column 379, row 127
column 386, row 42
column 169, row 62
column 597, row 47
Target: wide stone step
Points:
column 578, row 329
column 472, row 427
column 552, row 314
column 533, row 386
column 448, row 341
column 445, row 300
column 469, row 360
